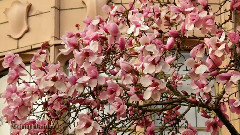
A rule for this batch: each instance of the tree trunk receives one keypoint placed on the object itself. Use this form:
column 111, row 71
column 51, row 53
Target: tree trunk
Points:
column 226, row 122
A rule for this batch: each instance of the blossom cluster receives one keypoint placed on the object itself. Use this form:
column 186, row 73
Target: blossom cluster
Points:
column 129, row 63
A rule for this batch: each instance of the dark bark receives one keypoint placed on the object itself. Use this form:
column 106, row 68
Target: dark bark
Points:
column 226, row 122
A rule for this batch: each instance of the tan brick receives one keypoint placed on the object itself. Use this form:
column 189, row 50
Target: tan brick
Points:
column 6, row 43
column 40, row 30
column 19, row 50
column 3, row 5
column 38, row 6
column 56, row 32
column 69, row 18
column 119, row 1
column 66, row 4
column 214, row 8
column 198, row 33
column 213, row 1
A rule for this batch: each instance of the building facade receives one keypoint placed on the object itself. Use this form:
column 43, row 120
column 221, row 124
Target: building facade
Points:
column 26, row 24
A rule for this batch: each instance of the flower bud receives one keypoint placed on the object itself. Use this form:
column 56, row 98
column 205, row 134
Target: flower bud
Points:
column 170, row 43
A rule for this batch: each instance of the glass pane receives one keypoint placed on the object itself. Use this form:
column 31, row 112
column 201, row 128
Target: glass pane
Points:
column 192, row 116
column 4, row 127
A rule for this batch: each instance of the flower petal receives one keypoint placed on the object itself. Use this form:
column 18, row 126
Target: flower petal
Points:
column 201, row 69
column 145, row 81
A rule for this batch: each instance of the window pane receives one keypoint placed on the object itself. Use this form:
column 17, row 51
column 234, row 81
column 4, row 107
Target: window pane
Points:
column 4, row 127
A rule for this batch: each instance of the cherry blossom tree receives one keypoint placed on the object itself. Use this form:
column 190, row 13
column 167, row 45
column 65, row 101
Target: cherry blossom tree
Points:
column 130, row 63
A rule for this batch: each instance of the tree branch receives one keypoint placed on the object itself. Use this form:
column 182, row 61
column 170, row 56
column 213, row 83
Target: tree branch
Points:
column 226, row 122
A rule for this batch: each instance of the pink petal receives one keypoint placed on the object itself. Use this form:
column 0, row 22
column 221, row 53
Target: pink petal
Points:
column 236, row 103
column 148, row 93
column 190, row 62
column 201, row 69
column 83, row 79
column 113, row 29
column 145, row 81
column 156, row 96
column 165, row 67
column 94, row 46
column 134, row 98
column 17, row 60
column 149, row 68
column 223, row 78
column 103, row 95
column 203, row 2
column 197, row 51
column 173, row 33
column 170, row 59
column 144, row 40
column 170, row 43
column 60, row 86
column 122, row 43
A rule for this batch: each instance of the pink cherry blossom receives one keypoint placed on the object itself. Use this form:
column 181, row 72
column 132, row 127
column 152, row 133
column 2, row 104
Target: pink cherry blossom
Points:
column 92, row 72
column 235, row 5
column 197, row 51
column 173, row 33
column 120, row 108
column 13, row 75
column 134, row 95
column 39, row 58
column 152, row 63
column 122, row 43
column 86, row 125
column 155, row 90
column 170, row 43
column 9, row 91
column 229, row 79
column 192, row 20
column 204, row 114
column 224, row 77
column 70, row 42
column 213, row 62
column 150, row 130
column 56, row 102
column 113, row 91
column 153, row 67
column 113, row 29
column 203, row 2
column 189, row 131
column 11, row 60
column 185, row 4
column 145, row 122
column 144, row 40
column 183, row 28
column 208, row 24
column 170, row 115
column 200, row 87
column 213, row 125
column 129, row 57
column 16, row 113
column 170, row 59
column 234, row 105
column 80, row 56
column 234, row 37
column 126, row 67
column 137, row 24
column 201, row 69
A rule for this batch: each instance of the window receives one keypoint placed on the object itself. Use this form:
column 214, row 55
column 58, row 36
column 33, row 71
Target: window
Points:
column 193, row 117
column 4, row 127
